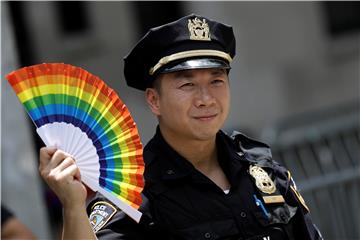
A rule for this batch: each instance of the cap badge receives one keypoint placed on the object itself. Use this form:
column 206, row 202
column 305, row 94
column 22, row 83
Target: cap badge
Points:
column 199, row 30
column 263, row 181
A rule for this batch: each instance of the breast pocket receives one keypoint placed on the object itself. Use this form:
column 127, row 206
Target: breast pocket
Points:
column 274, row 221
column 277, row 214
column 212, row 230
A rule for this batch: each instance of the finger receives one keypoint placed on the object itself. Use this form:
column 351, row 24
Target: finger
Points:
column 70, row 173
column 68, row 161
column 78, row 175
column 56, row 159
column 48, row 150
column 45, row 154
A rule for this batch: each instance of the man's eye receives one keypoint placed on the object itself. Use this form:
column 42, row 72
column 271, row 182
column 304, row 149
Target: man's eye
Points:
column 217, row 82
column 187, row 85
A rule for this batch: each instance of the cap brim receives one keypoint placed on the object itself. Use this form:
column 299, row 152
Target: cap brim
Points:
column 202, row 63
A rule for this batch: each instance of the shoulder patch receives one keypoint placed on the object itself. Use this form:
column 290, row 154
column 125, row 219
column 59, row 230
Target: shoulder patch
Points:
column 296, row 192
column 300, row 198
column 292, row 182
column 101, row 213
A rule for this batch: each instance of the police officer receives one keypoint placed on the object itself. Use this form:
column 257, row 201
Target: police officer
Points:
column 199, row 182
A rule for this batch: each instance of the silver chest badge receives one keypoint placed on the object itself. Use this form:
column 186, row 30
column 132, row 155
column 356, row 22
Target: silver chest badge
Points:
column 199, row 30
column 262, row 179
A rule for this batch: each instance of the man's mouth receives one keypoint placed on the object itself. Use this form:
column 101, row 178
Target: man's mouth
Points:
column 206, row 117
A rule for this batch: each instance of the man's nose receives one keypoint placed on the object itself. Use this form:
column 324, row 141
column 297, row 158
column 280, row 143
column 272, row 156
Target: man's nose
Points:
column 204, row 97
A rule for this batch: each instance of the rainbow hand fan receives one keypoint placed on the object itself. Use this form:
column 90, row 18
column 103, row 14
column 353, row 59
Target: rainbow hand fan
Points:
column 79, row 114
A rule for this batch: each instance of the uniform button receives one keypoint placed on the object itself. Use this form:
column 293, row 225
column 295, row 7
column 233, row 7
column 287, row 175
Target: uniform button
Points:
column 243, row 214
column 170, row 172
column 207, row 235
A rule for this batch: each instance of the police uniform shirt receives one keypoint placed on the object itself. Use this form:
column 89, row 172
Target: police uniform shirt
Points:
column 182, row 203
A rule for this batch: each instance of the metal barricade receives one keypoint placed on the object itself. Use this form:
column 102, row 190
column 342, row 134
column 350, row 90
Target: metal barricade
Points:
column 322, row 150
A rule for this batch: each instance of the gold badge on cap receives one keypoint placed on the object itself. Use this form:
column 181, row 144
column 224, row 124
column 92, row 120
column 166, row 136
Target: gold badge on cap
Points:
column 263, row 181
column 199, row 30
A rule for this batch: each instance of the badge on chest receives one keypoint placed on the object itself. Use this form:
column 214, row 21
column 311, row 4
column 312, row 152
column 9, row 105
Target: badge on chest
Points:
column 264, row 183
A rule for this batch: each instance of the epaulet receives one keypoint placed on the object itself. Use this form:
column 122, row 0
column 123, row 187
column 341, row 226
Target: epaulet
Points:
column 260, row 154
column 253, row 150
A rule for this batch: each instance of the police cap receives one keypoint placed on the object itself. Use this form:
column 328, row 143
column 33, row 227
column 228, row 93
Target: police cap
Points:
column 192, row 42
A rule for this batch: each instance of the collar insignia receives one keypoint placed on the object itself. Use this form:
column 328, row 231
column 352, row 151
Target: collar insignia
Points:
column 263, row 181
column 199, row 30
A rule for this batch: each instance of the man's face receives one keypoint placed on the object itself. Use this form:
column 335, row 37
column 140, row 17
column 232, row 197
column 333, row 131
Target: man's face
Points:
column 191, row 104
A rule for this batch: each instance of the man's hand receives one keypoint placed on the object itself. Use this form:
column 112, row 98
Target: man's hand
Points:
column 60, row 172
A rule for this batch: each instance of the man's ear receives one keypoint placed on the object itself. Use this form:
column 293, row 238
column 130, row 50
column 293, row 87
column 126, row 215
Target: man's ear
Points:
column 153, row 99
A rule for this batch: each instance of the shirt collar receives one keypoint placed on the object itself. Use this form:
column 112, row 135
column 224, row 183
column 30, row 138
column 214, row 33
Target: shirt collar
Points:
column 230, row 157
column 173, row 166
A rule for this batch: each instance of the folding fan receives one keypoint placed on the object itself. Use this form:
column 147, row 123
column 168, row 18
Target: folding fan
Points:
column 79, row 114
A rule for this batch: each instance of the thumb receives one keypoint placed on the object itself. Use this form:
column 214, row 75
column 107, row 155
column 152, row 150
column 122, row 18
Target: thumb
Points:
column 77, row 175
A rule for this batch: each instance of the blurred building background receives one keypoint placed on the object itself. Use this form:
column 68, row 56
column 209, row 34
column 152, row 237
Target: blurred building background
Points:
column 294, row 84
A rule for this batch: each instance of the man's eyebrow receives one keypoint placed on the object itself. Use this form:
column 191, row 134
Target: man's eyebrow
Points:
column 218, row 72
column 183, row 74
